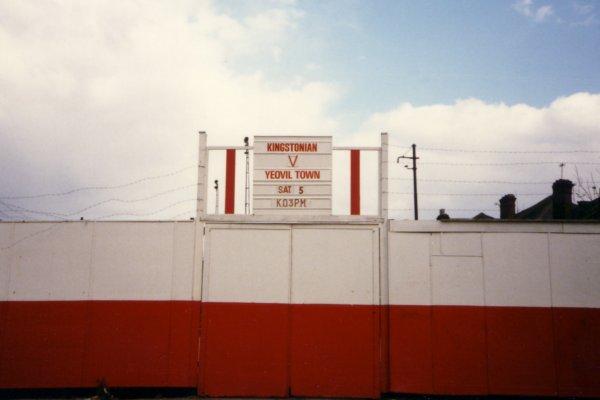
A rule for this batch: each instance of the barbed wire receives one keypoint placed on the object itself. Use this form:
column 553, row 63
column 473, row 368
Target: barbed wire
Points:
column 145, row 214
column 20, row 210
column 65, row 216
column 192, row 212
column 56, row 224
column 12, row 208
column 84, row 188
column 53, row 226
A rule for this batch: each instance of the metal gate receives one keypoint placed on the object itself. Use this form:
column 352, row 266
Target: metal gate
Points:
column 290, row 310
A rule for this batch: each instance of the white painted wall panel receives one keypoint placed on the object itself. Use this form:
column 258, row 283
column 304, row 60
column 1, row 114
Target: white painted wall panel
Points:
column 53, row 263
column 435, row 244
column 335, row 266
column 183, row 261
column 516, row 268
column 97, row 260
column 409, row 268
column 575, row 270
column 457, row 280
column 248, row 264
column 6, row 239
column 460, row 244
column 132, row 261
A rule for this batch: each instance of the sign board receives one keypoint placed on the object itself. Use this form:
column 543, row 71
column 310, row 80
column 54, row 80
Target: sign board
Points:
column 292, row 175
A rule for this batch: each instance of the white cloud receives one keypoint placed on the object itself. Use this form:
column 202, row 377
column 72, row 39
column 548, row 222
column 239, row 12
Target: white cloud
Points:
column 528, row 9
column 103, row 93
column 585, row 15
column 569, row 123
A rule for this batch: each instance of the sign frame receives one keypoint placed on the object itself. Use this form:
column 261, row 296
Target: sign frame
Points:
column 292, row 175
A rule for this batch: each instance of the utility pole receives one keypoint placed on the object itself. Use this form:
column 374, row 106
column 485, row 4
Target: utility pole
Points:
column 414, row 159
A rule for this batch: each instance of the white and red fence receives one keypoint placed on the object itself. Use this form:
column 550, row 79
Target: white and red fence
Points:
column 495, row 308
column 342, row 307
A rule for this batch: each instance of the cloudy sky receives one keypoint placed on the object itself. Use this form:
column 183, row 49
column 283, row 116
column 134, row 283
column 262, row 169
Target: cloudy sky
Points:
column 101, row 102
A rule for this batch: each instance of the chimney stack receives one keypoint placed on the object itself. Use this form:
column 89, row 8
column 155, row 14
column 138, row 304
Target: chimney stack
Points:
column 507, row 206
column 442, row 215
column 562, row 191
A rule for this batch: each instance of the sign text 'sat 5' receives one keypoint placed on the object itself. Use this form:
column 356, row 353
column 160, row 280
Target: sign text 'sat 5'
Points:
column 292, row 175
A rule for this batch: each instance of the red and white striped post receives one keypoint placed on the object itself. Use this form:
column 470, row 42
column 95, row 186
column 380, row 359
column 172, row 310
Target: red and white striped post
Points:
column 230, row 182
column 354, row 182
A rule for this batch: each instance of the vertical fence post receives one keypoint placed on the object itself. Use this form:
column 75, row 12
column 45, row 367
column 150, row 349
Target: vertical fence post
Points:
column 384, row 285
column 202, row 189
column 383, row 177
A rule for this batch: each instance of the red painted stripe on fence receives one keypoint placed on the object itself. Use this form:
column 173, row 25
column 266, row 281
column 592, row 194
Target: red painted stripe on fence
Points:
column 272, row 350
column 59, row 344
column 355, row 182
column 456, row 350
column 244, row 350
column 276, row 350
column 230, row 182
column 335, row 351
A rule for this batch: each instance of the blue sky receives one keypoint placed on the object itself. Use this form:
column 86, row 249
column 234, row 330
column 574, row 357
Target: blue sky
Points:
column 100, row 94
column 382, row 53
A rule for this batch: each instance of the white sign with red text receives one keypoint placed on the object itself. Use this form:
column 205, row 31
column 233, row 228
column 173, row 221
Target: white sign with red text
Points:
column 292, row 175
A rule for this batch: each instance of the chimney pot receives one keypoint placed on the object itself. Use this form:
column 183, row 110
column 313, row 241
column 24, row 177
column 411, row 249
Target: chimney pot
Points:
column 507, row 206
column 442, row 215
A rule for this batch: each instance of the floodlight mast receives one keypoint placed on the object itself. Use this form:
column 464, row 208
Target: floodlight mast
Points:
column 247, row 188
column 216, row 196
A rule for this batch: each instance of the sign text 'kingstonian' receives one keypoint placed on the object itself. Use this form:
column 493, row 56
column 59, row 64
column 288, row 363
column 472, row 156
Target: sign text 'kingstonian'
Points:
column 292, row 147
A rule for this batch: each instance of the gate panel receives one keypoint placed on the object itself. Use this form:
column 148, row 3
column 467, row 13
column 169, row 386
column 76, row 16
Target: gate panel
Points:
column 290, row 311
column 244, row 337
column 335, row 314
column 245, row 350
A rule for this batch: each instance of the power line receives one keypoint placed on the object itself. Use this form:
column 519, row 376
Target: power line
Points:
column 447, row 209
column 441, row 149
column 469, row 194
column 474, row 181
column 510, row 164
